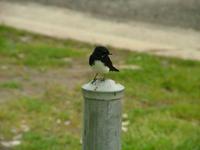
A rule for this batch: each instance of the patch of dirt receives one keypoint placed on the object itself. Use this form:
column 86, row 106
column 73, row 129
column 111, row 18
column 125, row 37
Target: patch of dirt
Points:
column 36, row 82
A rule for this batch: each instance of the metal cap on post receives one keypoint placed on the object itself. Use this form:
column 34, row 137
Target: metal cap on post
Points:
column 102, row 115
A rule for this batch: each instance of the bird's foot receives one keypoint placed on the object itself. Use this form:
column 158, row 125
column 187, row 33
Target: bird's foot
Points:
column 94, row 80
column 102, row 79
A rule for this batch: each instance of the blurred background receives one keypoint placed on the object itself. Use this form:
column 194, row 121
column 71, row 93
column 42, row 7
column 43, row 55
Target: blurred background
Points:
column 181, row 13
column 44, row 50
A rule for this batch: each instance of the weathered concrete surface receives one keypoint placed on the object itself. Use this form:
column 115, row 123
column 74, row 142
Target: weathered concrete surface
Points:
column 184, row 13
column 64, row 23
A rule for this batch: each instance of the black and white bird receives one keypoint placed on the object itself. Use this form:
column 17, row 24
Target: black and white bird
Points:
column 100, row 62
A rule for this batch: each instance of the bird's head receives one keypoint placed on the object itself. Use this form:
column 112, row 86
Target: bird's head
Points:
column 101, row 51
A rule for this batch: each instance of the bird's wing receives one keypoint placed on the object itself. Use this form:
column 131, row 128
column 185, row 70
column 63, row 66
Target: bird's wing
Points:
column 91, row 60
column 107, row 62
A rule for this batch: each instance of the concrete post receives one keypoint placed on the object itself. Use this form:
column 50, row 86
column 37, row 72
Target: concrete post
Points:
column 102, row 115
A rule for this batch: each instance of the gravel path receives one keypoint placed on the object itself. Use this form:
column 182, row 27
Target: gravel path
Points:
column 64, row 23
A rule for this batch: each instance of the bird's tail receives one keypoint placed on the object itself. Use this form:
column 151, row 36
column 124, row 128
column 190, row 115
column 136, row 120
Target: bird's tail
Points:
column 114, row 69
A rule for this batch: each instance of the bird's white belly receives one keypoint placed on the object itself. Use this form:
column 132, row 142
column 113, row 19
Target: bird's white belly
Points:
column 99, row 67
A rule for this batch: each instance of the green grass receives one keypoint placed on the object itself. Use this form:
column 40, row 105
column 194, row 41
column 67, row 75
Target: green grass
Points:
column 30, row 50
column 162, row 78
column 10, row 85
column 162, row 99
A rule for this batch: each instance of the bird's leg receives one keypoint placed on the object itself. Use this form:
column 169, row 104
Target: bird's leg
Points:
column 103, row 77
column 95, row 78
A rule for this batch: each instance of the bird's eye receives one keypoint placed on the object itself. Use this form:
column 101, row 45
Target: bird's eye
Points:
column 103, row 55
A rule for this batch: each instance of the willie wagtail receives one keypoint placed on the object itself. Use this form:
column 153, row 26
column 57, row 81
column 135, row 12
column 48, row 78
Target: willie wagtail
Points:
column 100, row 62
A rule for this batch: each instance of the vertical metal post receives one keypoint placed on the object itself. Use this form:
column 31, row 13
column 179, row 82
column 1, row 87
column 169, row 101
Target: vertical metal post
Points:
column 102, row 115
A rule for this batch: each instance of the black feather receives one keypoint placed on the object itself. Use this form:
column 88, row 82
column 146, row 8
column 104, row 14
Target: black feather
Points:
column 107, row 62
column 101, row 53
